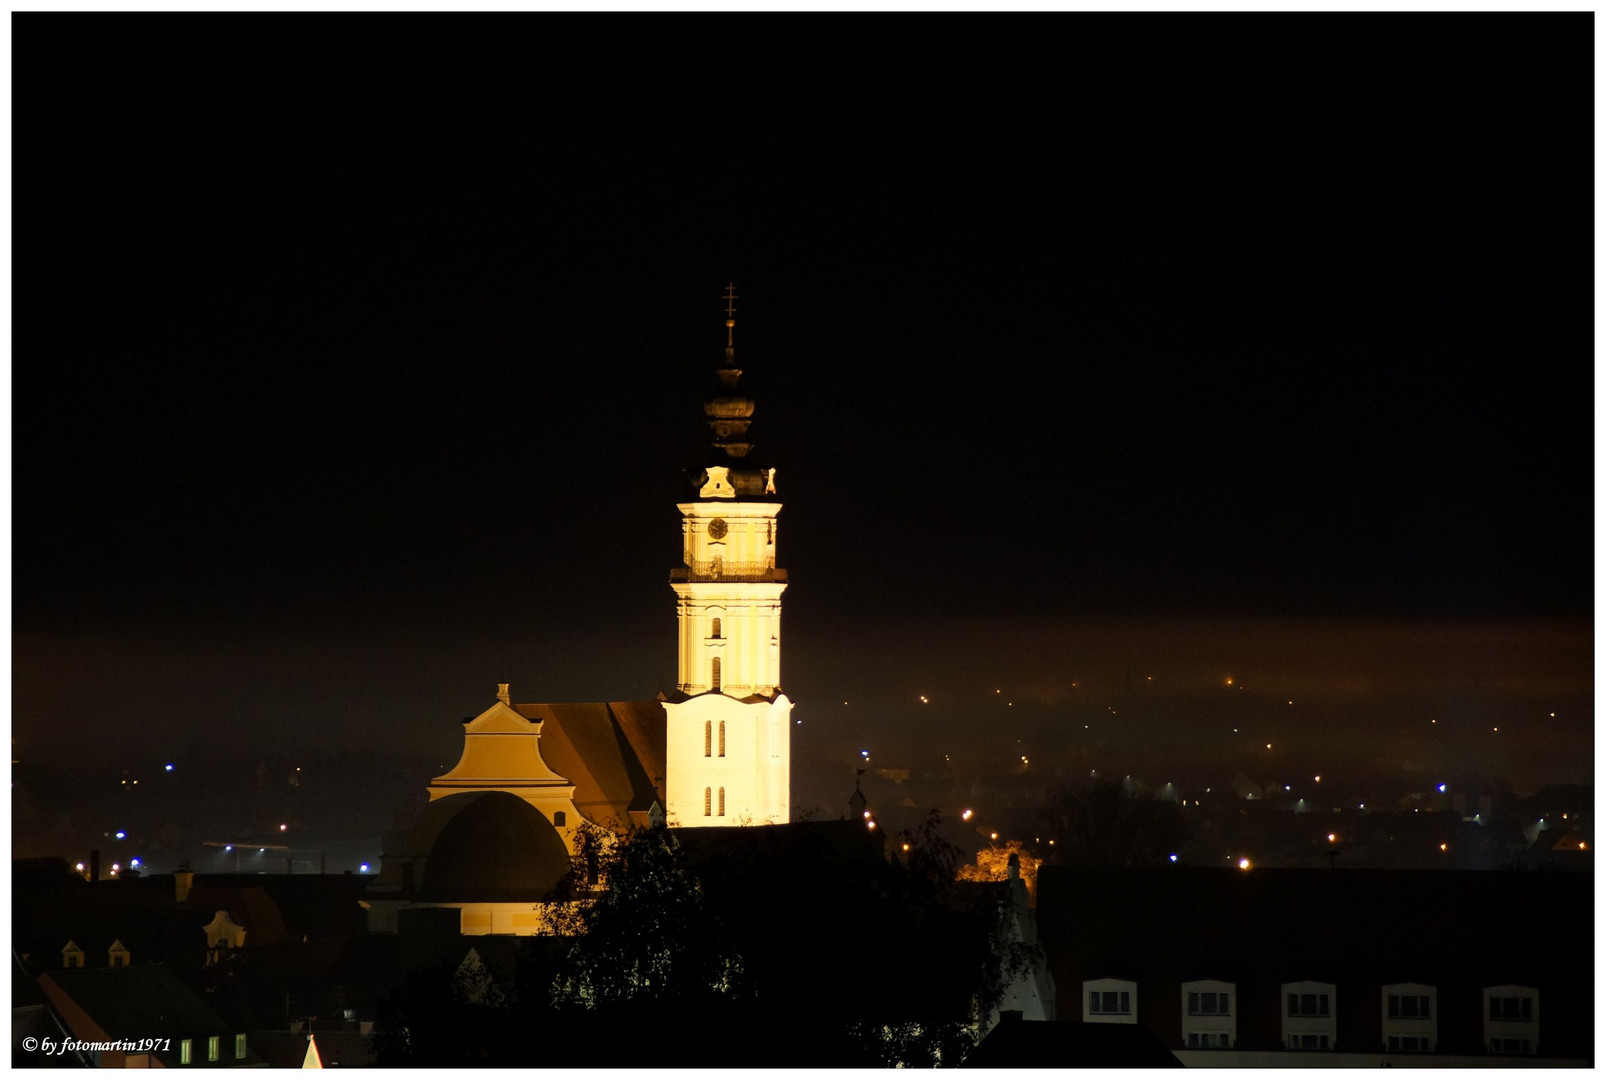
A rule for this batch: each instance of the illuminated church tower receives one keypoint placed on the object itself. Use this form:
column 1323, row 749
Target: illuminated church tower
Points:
column 728, row 754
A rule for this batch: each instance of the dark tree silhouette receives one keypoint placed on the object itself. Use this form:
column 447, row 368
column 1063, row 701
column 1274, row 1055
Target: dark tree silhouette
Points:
column 1102, row 824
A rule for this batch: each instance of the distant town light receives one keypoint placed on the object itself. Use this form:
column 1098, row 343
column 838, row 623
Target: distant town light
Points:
column 1229, row 682
column 260, row 850
column 872, row 825
column 1441, row 787
column 168, row 767
column 1268, row 746
column 966, row 816
column 133, row 862
column 1318, row 779
column 79, row 867
column 363, row 869
column 1243, row 864
column 1173, row 858
column 924, row 700
column 282, row 828
column 1444, row 847
column 867, row 814
column 995, row 836
column 228, row 847
column 1332, row 838
column 116, row 867
column 1582, row 846
column 906, row 847
column 120, row 834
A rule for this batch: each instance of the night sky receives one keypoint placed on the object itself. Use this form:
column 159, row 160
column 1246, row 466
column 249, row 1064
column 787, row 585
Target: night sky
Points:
column 356, row 362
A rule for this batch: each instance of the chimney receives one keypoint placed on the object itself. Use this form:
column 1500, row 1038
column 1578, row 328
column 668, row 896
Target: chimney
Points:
column 183, row 879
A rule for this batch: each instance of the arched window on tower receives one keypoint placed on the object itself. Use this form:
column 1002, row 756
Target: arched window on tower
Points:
column 714, row 680
column 716, row 629
column 722, row 738
column 560, row 818
column 708, row 738
column 721, row 802
column 708, row 802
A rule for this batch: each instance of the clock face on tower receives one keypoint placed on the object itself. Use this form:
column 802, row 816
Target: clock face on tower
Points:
column 717, row 529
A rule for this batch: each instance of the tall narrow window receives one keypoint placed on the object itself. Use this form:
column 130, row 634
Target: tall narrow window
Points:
column 708, row 802
column 184, row 1051
column 560, row 818
column 708, row 737
column 721, row 802
column 716, row 630
column 239, row 1047
column 211, row 1048
column 722, row 738
column 714, row 681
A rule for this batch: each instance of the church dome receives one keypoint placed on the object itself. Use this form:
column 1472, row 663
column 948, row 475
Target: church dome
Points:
column 495, row 848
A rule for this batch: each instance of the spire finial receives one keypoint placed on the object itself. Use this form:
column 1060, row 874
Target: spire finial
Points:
column 730, row 315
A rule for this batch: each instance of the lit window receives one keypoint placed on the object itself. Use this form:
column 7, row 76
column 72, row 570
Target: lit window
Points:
column 721, row 802
column 722, row 738
column 184, row 1052
column 1109, row 1002
column 559, row 818
column 239, row 1046
column 708, row 802
column 211, row 1047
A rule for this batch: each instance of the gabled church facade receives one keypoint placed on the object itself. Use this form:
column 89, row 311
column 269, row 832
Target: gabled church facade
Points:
column 715, row 752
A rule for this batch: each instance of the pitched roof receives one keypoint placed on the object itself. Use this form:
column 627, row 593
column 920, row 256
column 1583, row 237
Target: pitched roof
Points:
column 138, row 1002
column 612, row 752
column 1048, row 1044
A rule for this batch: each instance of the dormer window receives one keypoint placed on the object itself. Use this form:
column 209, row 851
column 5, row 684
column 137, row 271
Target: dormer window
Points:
column 1208, row 1020
column 118, row 955
column 1410, row 1018
column 1511, row 1019
column 1309, row 1016
column 71, row 955
column 1110, row 1001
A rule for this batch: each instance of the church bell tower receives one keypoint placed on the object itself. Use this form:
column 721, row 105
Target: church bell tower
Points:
column 729, row 737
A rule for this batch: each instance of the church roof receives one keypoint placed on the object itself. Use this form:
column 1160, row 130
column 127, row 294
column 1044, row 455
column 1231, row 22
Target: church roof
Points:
column 611, row 751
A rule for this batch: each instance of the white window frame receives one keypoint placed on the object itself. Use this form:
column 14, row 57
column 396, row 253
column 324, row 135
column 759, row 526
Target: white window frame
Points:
column 1210, row 1023
column 1302, row 1025
column 1110, row 986
column 1424, row 1027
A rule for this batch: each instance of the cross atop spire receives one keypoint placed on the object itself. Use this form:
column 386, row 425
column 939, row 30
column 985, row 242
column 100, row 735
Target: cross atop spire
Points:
column 730, row 315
